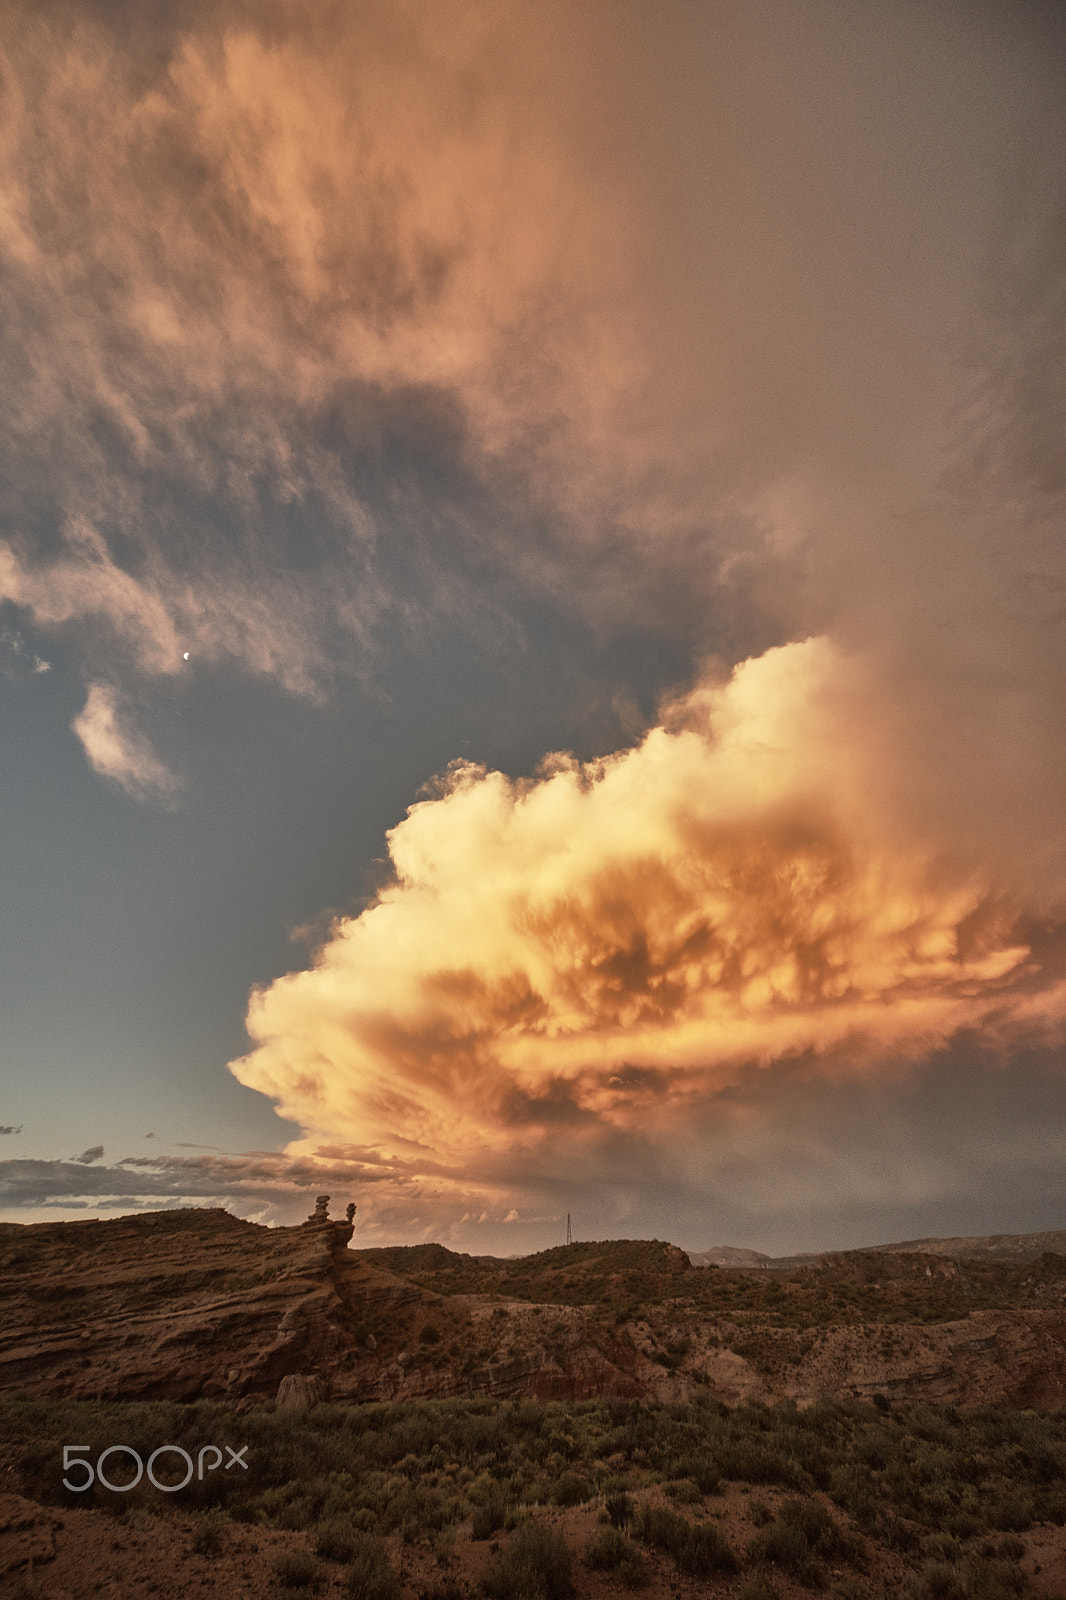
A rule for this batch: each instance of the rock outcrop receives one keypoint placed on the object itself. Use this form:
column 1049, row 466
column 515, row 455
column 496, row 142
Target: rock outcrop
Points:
column 184, row 1303
column 168, row 1304
column 298, row 1393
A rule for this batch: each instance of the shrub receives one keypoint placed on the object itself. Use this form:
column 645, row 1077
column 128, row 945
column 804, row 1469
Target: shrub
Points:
column 749, row 1462
column 488, row 1518
column 757, row 1586
column 703, row 1471
column 784, row 1546
column 684, row 1491
column 1012, row 1514
column 940, row 1581
column 941, row 1547
column 705, row 1550
column 534, row 1565
column 619, row 1509
column 570, row 1490
column 802, row 1531
column 658, row 1526
column 370, row 1574
column 608, row 1550
column 698, row 1548
column 210, row 1536
column 336, row 1541
column 995, row 1580
column 418, row 1509
column 296, row 1569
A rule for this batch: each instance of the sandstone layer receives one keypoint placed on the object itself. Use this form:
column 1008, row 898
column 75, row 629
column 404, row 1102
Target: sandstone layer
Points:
column 183, row 1303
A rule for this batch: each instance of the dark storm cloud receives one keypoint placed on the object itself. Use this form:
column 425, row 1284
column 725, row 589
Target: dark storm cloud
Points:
column 261, row 1183
column 780, row 1159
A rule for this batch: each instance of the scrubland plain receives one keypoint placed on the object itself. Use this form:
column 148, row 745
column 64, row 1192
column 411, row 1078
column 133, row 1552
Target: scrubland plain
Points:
column 593, row 1420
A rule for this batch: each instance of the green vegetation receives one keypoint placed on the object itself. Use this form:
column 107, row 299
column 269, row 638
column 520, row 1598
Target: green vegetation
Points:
column 698, row 1548
column 609, row 1550
column 800, row 1537
column 371, row 1575
column 839, row 1488
column 210, row 1536
column 534, row 1565
column 295, row 1569
column 647, row 1293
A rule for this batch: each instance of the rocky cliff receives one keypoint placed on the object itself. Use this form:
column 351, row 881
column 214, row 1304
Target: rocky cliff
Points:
column 183, row 1303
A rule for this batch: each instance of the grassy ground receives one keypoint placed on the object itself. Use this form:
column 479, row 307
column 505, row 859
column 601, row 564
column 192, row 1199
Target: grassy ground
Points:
column 850, row 1497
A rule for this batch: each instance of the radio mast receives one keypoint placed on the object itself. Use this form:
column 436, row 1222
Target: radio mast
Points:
column 569, row 1235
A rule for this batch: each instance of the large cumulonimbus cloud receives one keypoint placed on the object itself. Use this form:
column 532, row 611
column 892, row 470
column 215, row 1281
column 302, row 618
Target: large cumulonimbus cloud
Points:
column 598, row 951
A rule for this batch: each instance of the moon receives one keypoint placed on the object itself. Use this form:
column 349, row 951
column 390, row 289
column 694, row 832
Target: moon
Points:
column 185, row 657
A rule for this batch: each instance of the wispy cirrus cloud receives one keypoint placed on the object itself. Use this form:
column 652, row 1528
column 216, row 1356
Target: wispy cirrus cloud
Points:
column 116, row 750
column 239, row 284
column 324, row 326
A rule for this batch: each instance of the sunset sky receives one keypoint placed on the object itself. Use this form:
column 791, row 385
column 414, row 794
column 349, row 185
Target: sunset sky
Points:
column 533, row 616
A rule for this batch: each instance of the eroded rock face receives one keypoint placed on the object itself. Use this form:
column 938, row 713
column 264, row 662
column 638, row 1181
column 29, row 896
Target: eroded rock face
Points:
column 171, row 1304
column 184, row 1303
column 298, row 1393
column 1005, row 1358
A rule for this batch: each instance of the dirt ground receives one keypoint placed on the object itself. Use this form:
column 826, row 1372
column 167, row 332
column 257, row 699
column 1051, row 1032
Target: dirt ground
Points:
column 48, row 1554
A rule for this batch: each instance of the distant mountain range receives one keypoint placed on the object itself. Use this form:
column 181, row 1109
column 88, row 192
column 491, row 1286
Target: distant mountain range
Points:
column 987, row 1247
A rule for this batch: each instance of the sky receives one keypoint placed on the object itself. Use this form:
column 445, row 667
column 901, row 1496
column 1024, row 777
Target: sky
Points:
column 532, row 599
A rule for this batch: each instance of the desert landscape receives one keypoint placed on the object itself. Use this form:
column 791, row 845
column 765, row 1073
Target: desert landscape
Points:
column 599, row 1417
column 532, row 693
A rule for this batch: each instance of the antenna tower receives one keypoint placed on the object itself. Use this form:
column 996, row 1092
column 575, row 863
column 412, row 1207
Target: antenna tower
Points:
column 569, row 1235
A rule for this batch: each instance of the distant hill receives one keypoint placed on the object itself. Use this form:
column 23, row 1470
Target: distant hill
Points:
column 988, row 1247
column 728, row 1255
column 622, row 1270
column 1017, row 1247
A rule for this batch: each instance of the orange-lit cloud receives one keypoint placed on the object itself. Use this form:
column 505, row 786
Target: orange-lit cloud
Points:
column 704, row 360
column 604, row 947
